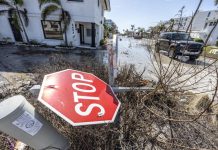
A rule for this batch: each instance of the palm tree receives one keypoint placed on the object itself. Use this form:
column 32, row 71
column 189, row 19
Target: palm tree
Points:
column 142, row 32
column 107, row 30
column 133, row 29
column 172, row 23
column 17, row 14
column 54, row 5
column 161, row 28
column 196, row 11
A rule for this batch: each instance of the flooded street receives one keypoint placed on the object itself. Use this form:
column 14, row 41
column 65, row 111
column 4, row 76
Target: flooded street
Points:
column 17, row 62
column 134, row 52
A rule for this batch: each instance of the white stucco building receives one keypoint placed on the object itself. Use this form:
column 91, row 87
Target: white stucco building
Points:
column 86, row 26
column 201, row 26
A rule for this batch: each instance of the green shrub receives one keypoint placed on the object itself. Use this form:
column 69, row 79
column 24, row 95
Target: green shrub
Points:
column 198, row 40
column 102, row 42
column 209, row 48
column 34, row 42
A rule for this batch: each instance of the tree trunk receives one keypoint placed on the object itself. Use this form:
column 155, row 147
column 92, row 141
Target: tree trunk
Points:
column 65, row 32
column 21, row 22
column 196, row 11
column 209, row 35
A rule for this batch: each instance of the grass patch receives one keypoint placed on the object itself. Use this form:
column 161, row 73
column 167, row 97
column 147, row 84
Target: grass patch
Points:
column 206, row 52
column 207, row 49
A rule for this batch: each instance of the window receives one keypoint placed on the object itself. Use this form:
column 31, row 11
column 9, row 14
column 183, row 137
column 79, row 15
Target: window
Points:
column 52, row 29
column 98, row 3
column 89, row 32
column 162, row 36
column 181, row 36
column 165, row 36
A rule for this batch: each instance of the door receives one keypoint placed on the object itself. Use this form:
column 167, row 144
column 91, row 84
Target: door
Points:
column 16, row 31
column 82, row 36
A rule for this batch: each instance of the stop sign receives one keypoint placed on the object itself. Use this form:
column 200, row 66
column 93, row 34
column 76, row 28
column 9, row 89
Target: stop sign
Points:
column 78, row 97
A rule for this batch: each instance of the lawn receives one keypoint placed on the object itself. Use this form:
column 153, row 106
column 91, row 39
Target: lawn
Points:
column 206, row 52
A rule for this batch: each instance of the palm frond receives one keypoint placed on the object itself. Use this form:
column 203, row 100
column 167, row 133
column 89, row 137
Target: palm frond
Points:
column 65, row 19
column 19, row 2
column 6, row 3
column 24, row 16
column 42, row 2
column 48, row 10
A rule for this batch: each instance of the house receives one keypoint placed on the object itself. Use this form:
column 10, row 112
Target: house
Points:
column 85, row 29
column 202, row 24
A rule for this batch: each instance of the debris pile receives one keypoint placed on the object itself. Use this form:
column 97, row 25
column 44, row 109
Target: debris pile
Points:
column 147, row 120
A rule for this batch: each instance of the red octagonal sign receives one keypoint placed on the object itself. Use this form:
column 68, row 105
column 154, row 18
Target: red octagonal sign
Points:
column 78, row 97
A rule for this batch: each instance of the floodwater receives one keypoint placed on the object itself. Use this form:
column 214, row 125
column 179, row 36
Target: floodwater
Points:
column 135, row 52
column 18, row 59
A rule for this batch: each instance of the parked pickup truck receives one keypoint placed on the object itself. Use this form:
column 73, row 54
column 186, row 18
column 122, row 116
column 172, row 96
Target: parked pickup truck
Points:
column 178, row 44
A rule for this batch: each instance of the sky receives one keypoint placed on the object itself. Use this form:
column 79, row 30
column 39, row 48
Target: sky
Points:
column 145, row 13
